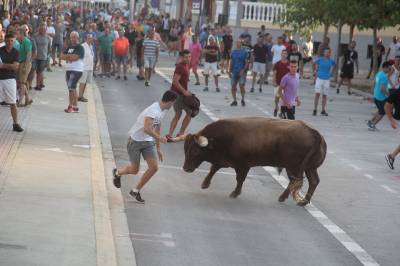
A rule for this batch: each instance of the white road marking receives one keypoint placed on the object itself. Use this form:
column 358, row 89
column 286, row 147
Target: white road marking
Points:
column 85, row 146
column 388, row 189
column 369, row 176
column 342, row 237
column 165, row 238
column 331, row 152
column 355, row 167
column 54, row 150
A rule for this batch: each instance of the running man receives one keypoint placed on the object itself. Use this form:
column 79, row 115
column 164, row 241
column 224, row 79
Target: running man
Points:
column 288, row 91
column 237, row 71
column 393, row 102
column 180, row 86
column 381, row 93
column 143, row 137
column 211, row 63
column 8, row 74
column 324, row 69
column 151, row 48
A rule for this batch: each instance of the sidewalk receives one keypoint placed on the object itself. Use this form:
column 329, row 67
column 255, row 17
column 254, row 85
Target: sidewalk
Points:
column 54, row 194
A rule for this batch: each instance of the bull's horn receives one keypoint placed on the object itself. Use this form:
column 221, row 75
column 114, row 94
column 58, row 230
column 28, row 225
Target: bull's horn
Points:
column 202, row 141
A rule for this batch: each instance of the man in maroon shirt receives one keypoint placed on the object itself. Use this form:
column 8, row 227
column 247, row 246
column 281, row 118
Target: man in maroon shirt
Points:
column 281, row 68
column 180, row 86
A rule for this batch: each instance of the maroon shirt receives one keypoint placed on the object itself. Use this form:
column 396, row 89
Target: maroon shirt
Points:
column 281, row 70
column 182, row 70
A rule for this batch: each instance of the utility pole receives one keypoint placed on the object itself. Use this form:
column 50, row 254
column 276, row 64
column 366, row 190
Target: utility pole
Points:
column 239, row 12
column 225, row 12
column 340, row 26
column 132, row 9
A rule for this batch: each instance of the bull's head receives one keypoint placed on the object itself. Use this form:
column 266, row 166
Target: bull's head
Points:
column 196, row 150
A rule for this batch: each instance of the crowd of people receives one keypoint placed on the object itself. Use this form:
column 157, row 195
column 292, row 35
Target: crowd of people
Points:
column 100, row 43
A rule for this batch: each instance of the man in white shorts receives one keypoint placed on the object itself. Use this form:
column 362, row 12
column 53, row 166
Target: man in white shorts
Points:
column 324, row 67
column 211, row 63
column 8, row 74
column 88, row 60
column 144, row 137
column 259, row 61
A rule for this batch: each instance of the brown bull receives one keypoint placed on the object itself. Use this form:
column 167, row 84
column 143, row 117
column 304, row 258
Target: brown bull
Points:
column 243, row 143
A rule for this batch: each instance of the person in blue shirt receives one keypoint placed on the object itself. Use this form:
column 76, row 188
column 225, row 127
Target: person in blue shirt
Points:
column 381, row 93
column 324, row 67
column 237, row 71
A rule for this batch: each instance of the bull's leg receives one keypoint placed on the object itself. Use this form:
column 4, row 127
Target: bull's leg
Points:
column 207, row 180
column 285, row 194
column 241, row 174
column 313, row 181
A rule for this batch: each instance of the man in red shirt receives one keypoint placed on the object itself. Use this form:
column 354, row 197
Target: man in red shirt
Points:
column 281, row 68
column 180, row 86
column 121, row 52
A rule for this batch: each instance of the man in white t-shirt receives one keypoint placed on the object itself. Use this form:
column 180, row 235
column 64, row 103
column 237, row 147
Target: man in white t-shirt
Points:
column 143, row 137
column 277, row 50
column 88, row 62
column 394, row 49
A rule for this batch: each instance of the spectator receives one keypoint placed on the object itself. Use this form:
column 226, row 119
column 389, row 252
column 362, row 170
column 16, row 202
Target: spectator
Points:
column 43, row 44
column 105, row 45
column 151, row 49
column 88, row 63
column 25, row 64
column 121, row 53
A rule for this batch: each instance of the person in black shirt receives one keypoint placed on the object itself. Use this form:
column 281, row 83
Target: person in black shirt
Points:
column 393, row 102
column 347, row 72
column 295, row 55
column 8, row 84
column 131, row 35
column 226, row 47
column 381, row 52
column 259, row 60
column 139, row 55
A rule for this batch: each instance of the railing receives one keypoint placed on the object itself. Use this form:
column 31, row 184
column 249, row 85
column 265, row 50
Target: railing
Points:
column 267, row 12
column 262, row 12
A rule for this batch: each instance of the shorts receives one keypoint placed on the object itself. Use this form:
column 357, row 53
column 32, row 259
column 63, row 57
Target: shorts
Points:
column 137, row 148
column 8, row 91
column 139, row 62
column 149, row 61
column 121, row 59
column 259, row 68
column 87, row 77
column 40, row 65
column 322, row 86
column 210, row 68
column 381, row 106
column 23, row 71
column 307, row 59
column 237, row 78
column 226, row 54
column 105, row 58
column 179, row 105
column 276, row 90
column 57, row 47
column 288, row 113
column 194, row 65
column 72, row 79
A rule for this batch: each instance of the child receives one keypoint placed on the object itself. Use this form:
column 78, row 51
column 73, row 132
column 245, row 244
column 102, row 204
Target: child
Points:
column 195, row 51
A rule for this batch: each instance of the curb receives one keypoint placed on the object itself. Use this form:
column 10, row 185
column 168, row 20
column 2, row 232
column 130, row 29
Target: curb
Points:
column 123, row 248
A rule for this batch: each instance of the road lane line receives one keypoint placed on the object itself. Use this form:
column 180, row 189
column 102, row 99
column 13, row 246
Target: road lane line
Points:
column 355, row 167
column 369, row 176
column 354, row 248
column 388, row 189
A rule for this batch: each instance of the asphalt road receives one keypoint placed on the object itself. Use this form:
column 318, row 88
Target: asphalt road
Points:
column 180, row 224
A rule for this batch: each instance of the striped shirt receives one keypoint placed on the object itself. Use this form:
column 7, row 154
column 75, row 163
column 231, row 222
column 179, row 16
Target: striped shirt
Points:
column 150, row 47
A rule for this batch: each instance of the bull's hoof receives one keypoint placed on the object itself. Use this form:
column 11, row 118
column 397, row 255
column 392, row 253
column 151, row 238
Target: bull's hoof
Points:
column 205, row 185
column 303, row 202
column 282, row 198
column 234, row 194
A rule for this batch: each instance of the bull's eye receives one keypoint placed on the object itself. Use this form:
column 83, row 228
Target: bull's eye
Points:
column 196, row 151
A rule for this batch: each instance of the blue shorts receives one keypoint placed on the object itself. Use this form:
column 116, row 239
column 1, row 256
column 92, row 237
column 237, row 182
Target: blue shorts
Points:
column 105, row 58
column 121, row 59
column 72, row 78
column 237, row 78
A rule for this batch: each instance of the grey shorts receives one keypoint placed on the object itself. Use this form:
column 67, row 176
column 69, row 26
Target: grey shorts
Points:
column 137, row 148
column 179, row 105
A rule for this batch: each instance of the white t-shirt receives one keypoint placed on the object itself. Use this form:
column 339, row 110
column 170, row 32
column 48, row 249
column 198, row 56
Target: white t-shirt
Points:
column 308, row 48
column 153, row 111
column 394, row 77
column 394, row 50
column 51, row 30
column 277, row 52
column 88, row 59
